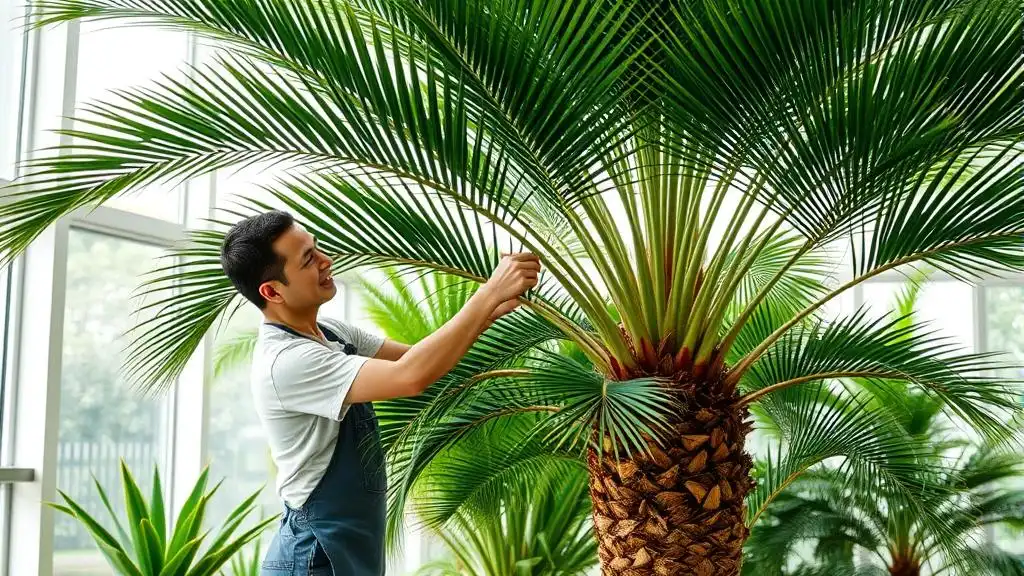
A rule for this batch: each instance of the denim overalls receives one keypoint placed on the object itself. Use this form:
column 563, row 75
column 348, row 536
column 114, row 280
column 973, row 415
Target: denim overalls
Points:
column 341, row 524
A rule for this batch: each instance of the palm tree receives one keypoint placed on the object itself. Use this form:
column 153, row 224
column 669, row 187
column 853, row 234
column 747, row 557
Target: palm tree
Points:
column 974, row 489
column 679, row 166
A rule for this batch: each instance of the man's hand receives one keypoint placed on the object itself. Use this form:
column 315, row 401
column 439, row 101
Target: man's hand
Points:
column 515, row 274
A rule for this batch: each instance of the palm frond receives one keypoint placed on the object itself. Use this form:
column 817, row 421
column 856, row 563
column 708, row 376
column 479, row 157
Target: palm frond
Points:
column 804, row 282
column 233, row 353
column 300, row 37
column 539, row 525
column 187, row 297
column 445, row 131
column 501, row 347
column 980, row 218
column 395, row 312
column 821, row 507
column 880, row 351
column 793, row 111
column 817, row 424
column 804, row 131
column 508, row 449
column 472, row 475
column 989, row 560
column 882, row 464
column 196, row 289
column 236, row 113
column 905, row 303
column 799, row 515
column 413, row 430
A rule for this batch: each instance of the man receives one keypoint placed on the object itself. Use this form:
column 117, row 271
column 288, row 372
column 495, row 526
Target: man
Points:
column 313, row 380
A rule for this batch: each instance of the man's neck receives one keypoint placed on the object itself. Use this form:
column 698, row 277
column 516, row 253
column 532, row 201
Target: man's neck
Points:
column 301, row 321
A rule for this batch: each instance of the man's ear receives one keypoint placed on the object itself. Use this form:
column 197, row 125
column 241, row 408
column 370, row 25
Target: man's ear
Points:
column 269, row 292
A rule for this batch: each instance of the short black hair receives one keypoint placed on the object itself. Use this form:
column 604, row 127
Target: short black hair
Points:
column 247, row 254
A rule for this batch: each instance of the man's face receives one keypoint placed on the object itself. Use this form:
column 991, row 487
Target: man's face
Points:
column 306, row 268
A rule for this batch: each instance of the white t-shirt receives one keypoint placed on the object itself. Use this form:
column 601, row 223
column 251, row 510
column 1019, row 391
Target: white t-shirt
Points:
column 299, row 387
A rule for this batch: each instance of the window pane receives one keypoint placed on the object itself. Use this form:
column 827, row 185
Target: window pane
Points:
column 5, row 505
column 1004, row 325
column 237, row 447
column 5, row 490
column 101, row 418
column 125, row 57
column 1004, row 331
column 11, row 44
column 5, row 314
column 946, row 306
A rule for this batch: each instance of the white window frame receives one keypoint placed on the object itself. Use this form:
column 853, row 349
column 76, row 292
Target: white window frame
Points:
column 9, row 474
column 48, row 93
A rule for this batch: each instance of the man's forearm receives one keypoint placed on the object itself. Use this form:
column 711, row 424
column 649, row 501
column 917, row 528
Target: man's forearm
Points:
column 434, row 356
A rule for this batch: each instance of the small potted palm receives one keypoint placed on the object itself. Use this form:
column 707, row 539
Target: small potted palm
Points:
column 140, row 544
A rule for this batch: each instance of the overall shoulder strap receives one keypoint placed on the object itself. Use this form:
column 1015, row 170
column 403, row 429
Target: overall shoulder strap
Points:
column 333, row 337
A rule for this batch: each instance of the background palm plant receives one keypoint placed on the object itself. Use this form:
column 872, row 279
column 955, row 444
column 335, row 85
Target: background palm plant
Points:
column 972, row 486
column 146, row 548
column 818, row 512
column 535, row 527
column 679, row 167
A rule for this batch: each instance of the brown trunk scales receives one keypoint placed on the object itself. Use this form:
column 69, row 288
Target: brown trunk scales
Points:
column 679, row 510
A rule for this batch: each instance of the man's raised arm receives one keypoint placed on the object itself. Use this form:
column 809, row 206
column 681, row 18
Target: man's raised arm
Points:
column 430, row 359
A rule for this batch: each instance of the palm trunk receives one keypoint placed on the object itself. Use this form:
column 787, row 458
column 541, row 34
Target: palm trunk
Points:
column 905, row 566
column 679, row 510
